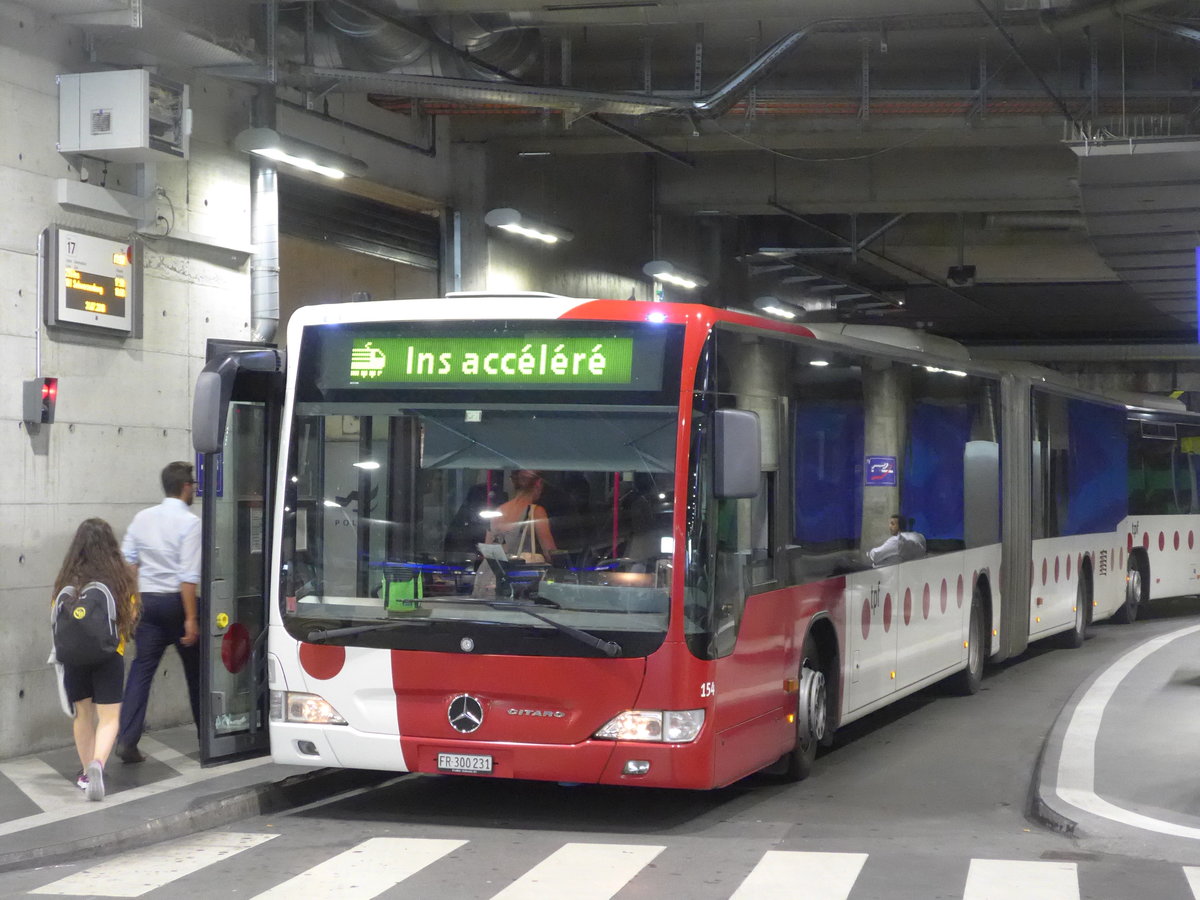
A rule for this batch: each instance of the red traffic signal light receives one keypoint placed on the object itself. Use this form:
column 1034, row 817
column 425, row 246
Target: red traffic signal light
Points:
column 39, row 398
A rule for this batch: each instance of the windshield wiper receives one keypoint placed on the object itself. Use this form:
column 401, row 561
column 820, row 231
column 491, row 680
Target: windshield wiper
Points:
column 608, row 648
column 318, row 635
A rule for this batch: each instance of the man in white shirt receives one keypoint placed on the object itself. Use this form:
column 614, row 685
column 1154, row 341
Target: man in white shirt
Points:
column 899, row 546
column 163, row 545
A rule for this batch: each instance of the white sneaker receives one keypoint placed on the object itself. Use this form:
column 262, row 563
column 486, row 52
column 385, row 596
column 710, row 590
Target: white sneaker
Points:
column 81, row 780
column 95, row 780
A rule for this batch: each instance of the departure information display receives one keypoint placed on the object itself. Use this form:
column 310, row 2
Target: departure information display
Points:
column 92, row 281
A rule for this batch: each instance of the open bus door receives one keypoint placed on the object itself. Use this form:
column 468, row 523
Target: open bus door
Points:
column 235, row 427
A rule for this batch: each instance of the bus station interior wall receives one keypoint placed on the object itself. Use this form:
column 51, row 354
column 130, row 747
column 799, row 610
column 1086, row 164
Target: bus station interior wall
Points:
column 124, row 405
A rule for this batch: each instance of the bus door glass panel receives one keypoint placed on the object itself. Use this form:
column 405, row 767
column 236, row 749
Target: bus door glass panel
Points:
column 237, row 547
column 730, row 553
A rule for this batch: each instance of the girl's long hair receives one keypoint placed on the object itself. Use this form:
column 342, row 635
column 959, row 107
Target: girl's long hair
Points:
column 95, row 556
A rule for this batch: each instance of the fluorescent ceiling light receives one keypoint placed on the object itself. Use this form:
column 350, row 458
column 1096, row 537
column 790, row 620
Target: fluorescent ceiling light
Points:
column 773, row 306
column 662, row 270
column 515, row 222
column 268, row 143
column 367, row 464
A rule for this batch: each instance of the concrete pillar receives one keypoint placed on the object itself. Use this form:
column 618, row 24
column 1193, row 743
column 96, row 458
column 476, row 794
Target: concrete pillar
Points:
column 887, row 389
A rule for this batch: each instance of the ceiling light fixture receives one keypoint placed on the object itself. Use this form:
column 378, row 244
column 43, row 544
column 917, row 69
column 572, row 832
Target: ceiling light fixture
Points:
column 513, row 221
column 773, row 306
column 269, row 143
column 662, row 270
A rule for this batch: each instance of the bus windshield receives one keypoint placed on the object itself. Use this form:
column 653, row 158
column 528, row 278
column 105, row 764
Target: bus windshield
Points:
column 484, row 524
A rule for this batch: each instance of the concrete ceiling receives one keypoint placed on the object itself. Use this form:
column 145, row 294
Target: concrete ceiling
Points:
column 851, row 148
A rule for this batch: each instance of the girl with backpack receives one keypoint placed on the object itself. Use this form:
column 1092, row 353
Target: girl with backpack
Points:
column 92, row 572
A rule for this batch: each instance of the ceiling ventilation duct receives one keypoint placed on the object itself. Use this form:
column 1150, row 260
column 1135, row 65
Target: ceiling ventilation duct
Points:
column 381, row 39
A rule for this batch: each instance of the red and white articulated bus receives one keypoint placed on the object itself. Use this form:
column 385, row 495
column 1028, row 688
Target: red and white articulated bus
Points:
column 721, row 591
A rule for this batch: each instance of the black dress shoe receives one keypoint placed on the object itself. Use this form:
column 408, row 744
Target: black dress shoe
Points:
column 130, row 755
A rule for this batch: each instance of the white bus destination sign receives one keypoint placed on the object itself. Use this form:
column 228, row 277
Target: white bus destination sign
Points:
column 544, row 360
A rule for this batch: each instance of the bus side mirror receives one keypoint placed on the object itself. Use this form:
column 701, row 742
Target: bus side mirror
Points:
column 214, row 389
column 737, row 454
column 210, row 407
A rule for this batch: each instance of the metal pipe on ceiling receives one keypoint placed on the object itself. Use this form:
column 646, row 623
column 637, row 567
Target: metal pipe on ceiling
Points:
column 1056, row 24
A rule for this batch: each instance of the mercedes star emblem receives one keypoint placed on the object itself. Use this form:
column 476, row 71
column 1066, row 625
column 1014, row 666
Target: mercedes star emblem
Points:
column 465, row 713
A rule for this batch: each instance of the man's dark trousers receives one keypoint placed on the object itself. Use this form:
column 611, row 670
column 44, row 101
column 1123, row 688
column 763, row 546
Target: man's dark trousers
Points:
column 160, row 626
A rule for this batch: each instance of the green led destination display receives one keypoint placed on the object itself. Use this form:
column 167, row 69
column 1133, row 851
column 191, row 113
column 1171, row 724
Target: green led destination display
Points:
column 496, row 361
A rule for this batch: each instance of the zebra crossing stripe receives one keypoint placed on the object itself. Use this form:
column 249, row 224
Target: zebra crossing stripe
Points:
column 160, row 752
column 364, row 871
column 1012, row 879
column 582, row 872
column 1192, row 874
column 39, row 782
column 792, row 873
column 142, row 871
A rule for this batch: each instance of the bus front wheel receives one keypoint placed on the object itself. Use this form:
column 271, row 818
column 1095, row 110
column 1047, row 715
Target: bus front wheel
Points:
column 812, row 714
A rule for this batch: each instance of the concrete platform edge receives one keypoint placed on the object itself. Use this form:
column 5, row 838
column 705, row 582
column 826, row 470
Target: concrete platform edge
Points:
column 202, row 813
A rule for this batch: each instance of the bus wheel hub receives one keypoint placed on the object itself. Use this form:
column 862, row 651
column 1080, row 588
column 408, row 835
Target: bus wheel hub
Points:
column 812, row 705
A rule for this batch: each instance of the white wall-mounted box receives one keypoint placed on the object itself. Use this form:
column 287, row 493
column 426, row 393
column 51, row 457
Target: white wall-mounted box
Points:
column 130, row 115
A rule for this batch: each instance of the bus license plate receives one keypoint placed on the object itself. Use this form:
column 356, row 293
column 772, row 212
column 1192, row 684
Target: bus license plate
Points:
column 463, row 762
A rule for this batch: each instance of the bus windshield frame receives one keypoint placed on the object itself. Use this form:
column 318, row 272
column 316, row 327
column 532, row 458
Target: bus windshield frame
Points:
column 389, row 487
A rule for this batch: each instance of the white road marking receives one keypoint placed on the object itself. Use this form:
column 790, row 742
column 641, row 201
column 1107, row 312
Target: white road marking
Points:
column 364, row 871
column 1012, row 879
column 582, row 872
column 71, row 810
column 1077, row 761
column 41, row 783
column 790, row 874
column 142, row 871
column 160, row 752
column 1192, row 874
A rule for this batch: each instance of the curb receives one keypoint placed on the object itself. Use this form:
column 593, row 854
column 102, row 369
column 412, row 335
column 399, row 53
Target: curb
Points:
column 203, row 813
column 1039, row 805
column 1037, row 808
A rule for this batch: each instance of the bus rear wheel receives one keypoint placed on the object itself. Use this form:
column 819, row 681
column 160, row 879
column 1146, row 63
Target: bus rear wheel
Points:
column 812, row 715
column 1127, row 612
column 1083, row 601
column 970, row 678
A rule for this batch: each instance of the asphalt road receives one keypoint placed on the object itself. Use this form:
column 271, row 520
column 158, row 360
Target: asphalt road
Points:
column 913, row 803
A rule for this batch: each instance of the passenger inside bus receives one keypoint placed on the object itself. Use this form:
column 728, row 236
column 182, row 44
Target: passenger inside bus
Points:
column 520, row 524
column 899, row 546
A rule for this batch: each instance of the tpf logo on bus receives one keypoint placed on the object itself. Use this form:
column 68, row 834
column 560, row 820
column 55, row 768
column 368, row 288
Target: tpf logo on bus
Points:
column 881, row 470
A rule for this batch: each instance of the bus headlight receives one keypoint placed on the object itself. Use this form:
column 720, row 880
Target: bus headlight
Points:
column 671, row 726
column 291, row 706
